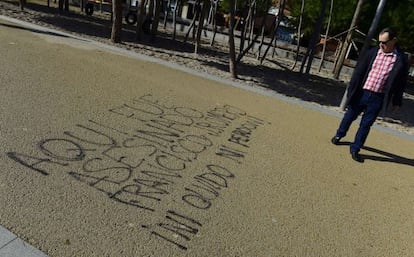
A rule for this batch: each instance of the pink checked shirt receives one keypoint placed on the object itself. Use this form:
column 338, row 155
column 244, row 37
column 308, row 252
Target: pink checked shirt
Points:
column 380, row 71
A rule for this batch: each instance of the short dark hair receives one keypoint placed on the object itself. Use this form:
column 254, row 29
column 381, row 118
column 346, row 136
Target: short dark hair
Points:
column 391, row 32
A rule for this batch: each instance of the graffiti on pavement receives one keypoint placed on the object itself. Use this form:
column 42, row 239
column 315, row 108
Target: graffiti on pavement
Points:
column 155, row 157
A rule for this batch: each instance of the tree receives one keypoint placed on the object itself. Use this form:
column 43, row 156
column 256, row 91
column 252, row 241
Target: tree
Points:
column 213, row 19
column 22, row 4
column 254, row 8
column 200, row 26
column 400, row 16
column 345, row 45
column 248, row 23
column 232, row 48
column 191, row 27
column 397, row 14
column 174, row 8
column 156, row 20
column 279, row 16
column 342, row 15
column 326, row 35
column 117, row 22
column 63, row 6
column 140, row 18
column 312, row 43
column 268, row 4
column 299, row 35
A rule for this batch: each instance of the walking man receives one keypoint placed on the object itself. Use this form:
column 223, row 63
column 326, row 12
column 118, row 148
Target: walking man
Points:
column 379, row 78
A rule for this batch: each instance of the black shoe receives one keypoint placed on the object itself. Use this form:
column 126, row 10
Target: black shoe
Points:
column 356, row 157
column 335, row 140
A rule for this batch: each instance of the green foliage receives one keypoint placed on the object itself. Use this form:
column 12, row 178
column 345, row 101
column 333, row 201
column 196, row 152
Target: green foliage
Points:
column 400, row 16
column 343, row 11
column 397, row 14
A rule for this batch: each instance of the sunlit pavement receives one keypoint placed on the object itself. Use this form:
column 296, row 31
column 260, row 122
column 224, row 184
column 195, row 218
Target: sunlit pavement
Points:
column 107, row 153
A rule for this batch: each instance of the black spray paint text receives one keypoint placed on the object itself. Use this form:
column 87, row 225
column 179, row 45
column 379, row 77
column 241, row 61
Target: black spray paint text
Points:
column 144, row 152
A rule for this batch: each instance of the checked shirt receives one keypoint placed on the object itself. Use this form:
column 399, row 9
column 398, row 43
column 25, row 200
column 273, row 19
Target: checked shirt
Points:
column 380, row 71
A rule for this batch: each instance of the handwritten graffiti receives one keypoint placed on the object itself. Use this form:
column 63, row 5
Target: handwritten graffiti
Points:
column 144, row 154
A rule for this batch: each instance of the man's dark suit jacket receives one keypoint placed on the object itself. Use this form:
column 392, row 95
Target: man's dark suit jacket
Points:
column 396, row 82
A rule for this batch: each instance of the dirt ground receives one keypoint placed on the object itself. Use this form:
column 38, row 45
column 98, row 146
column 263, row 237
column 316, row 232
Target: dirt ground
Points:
column 274, row 73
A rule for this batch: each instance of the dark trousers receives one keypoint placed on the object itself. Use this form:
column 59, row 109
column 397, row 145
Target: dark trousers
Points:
column 368, row 102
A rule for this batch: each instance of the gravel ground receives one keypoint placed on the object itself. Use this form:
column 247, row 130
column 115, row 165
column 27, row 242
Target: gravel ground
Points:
column 274, row 73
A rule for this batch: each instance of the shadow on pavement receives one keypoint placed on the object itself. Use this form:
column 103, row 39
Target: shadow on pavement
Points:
column 280, row 78
column 35, row 30
column 387, row 157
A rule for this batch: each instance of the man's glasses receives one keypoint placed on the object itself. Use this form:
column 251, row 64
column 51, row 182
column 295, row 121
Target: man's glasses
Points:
column 384, row 42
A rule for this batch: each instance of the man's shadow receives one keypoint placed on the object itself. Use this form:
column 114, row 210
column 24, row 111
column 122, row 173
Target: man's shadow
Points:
column 385, row 156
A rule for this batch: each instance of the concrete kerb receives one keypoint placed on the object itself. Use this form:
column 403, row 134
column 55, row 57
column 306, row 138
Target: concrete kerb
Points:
column 12, row 246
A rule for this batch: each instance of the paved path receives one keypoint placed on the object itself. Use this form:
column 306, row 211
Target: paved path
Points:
column 109, row 154
column 12, row 246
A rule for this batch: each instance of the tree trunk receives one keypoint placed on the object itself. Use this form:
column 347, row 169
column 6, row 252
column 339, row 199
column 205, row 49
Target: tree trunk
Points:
column 63, row 5
column 200, row 26
column 193, row 21
column 345, row 45
column 22, row 4
column 326, row 36
column 252, row 40
column 175, row 10
column 117, row 22
column 166, row 12
column 197, row 16
column 232, row 48
column 246, row 25
column 213, row 13
column 60, row 5
column 155, row 22
column 140, row 18
column 263, row 30
column 299, row 33
column 316, row 35
column 273, row 33
column 281, row 10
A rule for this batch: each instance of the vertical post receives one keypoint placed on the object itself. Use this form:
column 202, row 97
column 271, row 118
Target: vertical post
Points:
column 341, row 58
column 373, row 27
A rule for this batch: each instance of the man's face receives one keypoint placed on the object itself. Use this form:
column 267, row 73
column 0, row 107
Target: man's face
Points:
column 386, row 44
